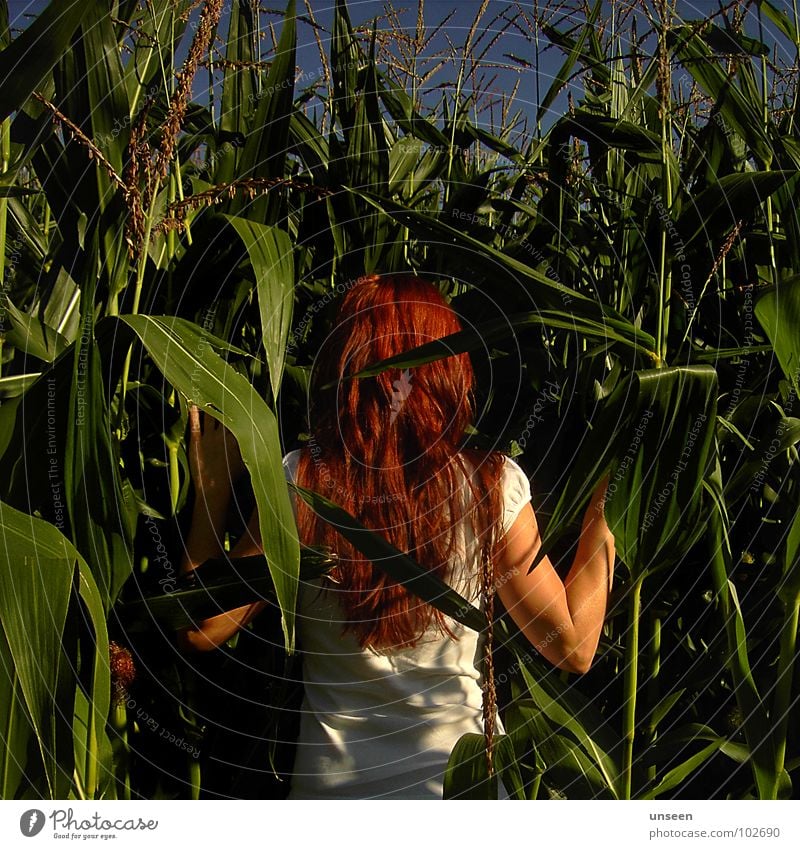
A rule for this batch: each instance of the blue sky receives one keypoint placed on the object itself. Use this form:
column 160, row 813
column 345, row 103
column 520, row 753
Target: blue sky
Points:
column 499, row 71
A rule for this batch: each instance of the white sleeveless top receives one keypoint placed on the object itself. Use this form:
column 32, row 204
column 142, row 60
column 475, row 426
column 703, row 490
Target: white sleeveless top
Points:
column 382, row 725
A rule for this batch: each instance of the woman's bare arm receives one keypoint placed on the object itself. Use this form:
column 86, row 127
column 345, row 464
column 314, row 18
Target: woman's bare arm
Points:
column 563, row 620
column 211, row 633
column 215, row 463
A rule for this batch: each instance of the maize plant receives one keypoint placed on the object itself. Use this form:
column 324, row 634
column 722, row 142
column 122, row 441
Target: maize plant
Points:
column 174, row 232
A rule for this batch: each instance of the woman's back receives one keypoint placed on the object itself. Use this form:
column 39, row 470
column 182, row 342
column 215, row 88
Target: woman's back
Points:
column 382, row 725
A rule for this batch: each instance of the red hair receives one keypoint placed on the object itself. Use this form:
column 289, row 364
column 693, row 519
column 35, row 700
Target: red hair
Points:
column 385, row 448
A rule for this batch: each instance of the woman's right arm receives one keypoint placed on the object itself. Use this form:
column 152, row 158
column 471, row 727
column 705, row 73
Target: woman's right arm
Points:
column 563, row 620
column 215, row 462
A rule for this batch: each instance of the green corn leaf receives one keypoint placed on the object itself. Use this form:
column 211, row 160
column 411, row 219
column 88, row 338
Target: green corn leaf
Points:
column 728, row 42
column 184, row 354
column 345, row 58
column 505, row 763
column 101, row 521
column 679, row 773
column 240, row 90
column 663, row 708
column 36, row 574
column 558, row 757
column 782, row 434
column 716, row 210
column 214, row 586
column 31, row 56
column 780, row 19
column 311, row 147
column 467, row 773
column 500, row 330
column 368, row 161
column 267, row 143
column 778, row 311
column 790, row 586
column 93, row 753
column 579, row 721
column 757, row 726
column 17, row 729
column 502, row 269
column 32, row 336
column 672, row 744
column 576, row 48
column 640, row 437
column 654, row 504
column 712, row 77
column 103, row 87
column 652, row 492
column 160, row 29
column 644, row 144
column 271, row 256
column 415, row 126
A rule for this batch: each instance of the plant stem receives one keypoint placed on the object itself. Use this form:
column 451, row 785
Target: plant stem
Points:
column 195, row 777
column 174, row 476
column 91, row 755
column 756, row 731
column 453, row 132
column 796, row 33
column 174, row 177
column 10, row 731
column 767, row 164
column 665, row 273
column 211, row 98
column 630, row 684
column 783, row 688
column 119, row 723
column 79, row 791
column 140, row 269
column 652, row 682
column 5, row 155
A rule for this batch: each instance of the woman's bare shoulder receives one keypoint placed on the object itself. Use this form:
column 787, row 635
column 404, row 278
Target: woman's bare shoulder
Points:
column 292, row 455
column 290, row 461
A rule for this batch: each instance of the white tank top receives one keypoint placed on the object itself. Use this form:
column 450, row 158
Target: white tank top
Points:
column 382, row 725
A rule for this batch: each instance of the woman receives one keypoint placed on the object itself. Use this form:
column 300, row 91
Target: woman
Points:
column 390, row 683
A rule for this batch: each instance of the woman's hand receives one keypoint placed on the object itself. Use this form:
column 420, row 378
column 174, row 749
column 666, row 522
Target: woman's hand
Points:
column 215, row 461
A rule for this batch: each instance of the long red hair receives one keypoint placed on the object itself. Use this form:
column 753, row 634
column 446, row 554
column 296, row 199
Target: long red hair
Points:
column 386, row 449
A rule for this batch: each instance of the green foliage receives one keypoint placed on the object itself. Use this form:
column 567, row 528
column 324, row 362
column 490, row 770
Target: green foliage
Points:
column 44, row 579
column 641, row 255
column 187, row 361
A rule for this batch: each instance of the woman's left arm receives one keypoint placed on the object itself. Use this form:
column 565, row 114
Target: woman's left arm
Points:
column 215, row 464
